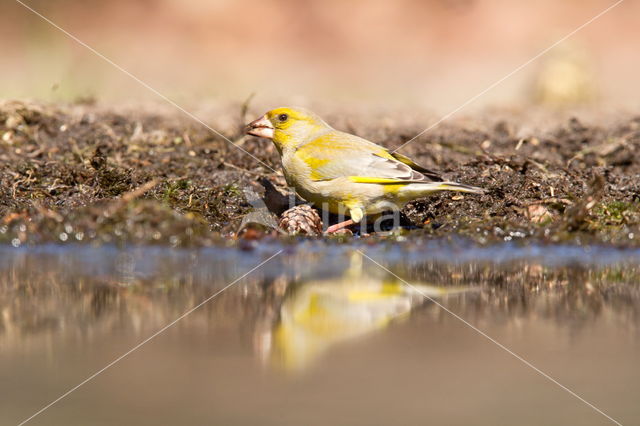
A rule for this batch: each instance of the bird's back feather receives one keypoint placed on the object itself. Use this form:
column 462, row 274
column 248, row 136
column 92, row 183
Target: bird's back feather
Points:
column 358, row 157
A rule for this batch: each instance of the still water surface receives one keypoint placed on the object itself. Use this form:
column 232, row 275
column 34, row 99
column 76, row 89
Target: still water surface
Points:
column 320, row 334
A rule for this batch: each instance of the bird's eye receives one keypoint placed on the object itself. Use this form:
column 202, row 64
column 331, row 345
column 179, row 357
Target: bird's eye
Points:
column 283, row 117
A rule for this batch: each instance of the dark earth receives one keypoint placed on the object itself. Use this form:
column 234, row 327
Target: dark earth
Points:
column 85, row 172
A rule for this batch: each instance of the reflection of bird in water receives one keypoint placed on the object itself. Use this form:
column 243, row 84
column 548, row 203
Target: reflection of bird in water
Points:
column 316, row 315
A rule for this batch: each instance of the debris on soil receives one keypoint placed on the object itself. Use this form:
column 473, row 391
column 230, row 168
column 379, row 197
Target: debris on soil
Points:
column 538, row 213
column 87, row 173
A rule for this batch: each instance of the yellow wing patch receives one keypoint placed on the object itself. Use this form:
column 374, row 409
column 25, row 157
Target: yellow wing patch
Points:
column 315, row 164
column 367, row 179
column 389, row 186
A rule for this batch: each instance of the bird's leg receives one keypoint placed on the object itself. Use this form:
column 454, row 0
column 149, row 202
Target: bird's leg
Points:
column 339, row 226
column 356, row 214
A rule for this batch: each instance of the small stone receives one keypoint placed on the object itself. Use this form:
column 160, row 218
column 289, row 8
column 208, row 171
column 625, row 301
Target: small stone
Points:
column 13, row 121
column 344, row 231
column 538, row 213
column 252, row 232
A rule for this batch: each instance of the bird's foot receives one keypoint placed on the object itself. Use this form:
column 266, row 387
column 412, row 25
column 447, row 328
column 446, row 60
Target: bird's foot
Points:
column 339, row 226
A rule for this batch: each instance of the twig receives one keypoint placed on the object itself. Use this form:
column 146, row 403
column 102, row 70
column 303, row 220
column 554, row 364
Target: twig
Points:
column 130, row 196
column 244, row 108
column 552, row 200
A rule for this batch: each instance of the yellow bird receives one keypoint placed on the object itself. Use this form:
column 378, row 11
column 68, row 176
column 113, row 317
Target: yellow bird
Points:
column 344, row 173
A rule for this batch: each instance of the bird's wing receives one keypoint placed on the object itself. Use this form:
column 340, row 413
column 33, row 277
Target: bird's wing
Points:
column 336, row 154
column 409, row 162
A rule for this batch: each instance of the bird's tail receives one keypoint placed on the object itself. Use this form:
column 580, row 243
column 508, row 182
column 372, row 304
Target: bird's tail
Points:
column 419, row 186
column 421, row 189
column 455, row 186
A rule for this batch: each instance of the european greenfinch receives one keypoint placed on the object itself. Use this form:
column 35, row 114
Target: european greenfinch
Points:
column 344, row 173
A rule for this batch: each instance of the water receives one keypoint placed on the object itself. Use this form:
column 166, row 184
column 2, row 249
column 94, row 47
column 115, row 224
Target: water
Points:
column 320, row 334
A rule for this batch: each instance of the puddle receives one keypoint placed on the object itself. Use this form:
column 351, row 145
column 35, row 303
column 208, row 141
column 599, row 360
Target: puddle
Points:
column 320, row 334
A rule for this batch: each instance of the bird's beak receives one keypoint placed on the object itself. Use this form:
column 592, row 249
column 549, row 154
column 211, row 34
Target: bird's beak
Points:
column 261, row 128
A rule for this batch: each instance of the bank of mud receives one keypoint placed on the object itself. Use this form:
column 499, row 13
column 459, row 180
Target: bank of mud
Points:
column 90, row 173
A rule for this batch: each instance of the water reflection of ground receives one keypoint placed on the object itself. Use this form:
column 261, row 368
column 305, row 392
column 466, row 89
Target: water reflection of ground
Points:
column 295, row 312
column 305, row 306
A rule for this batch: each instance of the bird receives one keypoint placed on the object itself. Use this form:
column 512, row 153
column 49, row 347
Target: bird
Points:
column 344, row 173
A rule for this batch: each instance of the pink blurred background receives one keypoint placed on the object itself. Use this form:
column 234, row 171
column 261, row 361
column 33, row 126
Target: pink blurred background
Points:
column 432, row 54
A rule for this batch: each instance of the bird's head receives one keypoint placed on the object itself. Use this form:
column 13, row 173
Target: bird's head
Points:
column 287, row 127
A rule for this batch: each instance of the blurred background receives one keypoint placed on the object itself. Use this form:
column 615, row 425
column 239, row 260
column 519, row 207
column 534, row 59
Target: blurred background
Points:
column 433, row 54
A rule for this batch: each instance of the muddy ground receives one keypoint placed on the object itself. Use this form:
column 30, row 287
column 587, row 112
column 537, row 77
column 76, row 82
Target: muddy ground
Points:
column 90, row 173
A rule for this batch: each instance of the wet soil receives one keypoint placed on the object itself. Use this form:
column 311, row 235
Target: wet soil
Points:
column 90, row 173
